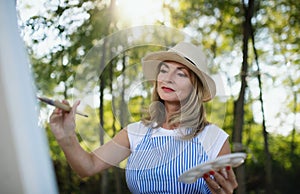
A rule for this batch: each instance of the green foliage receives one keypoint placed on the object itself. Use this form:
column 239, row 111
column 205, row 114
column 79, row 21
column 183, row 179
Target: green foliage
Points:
column 72, row 67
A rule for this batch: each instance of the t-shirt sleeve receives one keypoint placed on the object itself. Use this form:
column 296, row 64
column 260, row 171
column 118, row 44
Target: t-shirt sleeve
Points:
column 213, row 140
column 136, row 131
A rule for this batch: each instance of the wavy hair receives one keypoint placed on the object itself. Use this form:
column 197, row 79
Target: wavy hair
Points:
column 191, row 117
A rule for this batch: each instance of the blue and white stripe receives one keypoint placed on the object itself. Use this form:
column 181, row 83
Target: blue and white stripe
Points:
column 157, row 162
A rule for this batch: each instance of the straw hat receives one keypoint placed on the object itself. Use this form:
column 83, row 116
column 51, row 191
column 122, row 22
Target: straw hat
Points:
column 187, row 54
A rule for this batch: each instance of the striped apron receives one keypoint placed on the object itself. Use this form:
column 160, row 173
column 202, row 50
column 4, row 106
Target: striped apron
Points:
column 157, row 162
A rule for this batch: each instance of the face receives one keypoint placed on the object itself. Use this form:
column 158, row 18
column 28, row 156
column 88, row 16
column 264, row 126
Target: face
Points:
column 173, row 82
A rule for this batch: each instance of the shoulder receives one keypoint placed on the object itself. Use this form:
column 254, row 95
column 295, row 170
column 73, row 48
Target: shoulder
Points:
column 213, row 139
column 213, row 131
column 136, row 131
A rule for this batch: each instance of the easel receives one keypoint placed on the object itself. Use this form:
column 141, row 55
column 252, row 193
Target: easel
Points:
column 25, row 165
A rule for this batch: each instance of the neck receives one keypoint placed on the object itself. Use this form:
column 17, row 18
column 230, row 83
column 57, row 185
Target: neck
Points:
column 171, row 108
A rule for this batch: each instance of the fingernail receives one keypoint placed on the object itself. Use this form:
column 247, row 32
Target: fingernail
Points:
column 211, row 172
column 205, row 176
column 228, row 167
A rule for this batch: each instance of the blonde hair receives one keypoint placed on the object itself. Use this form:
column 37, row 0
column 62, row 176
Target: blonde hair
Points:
column 191, row 116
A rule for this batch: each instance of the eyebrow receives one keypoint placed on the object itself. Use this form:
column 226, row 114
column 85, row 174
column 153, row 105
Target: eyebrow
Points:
column 179, row 68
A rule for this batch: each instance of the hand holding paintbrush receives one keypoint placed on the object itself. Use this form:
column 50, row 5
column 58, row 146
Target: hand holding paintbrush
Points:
column 60, row 105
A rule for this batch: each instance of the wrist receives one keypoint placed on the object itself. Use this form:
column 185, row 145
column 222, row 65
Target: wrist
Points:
column 67, row 141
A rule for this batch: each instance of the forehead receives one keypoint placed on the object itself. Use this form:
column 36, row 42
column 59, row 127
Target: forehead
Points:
column 173, row 64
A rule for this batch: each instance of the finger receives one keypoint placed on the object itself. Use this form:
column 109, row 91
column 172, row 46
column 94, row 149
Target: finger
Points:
column 56, row 112
column 74, row 108
column 215, row 191
column 76, row 104
column 231, row 176
column 223, row 172
column 66, row 102
column 212, row 184
column 226, row 184
column 219, row 179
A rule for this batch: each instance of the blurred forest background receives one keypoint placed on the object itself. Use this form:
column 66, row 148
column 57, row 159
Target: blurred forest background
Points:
column 91, row 50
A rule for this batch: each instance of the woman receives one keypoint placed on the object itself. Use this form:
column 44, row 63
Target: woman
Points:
column 174, row 137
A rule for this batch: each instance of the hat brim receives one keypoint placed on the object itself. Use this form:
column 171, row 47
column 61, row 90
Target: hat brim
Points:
column 151, row 61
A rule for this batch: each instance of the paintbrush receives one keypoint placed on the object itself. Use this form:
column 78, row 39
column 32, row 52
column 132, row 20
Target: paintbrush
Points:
column 60, row 105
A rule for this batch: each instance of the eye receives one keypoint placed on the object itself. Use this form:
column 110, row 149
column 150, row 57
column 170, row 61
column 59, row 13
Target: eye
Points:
column 163, row 70
column 182, row 73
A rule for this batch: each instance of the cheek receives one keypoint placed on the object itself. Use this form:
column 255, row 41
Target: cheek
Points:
column 186, row 89
column 160, row 77
column 158, row 84
column 187, row 85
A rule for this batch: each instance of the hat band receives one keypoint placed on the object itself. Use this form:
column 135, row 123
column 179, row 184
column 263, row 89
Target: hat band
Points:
column 190, row 61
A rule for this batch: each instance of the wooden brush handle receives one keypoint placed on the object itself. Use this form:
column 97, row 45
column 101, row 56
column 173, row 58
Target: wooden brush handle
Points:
column 62, row 106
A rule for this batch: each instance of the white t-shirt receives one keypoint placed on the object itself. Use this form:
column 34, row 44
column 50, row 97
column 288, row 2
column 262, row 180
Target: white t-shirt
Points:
column 212, row 137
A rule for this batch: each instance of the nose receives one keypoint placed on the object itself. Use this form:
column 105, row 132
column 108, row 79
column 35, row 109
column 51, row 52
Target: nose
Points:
column 168, row 77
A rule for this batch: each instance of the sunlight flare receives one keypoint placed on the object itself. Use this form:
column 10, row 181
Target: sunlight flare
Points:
column 139, row 12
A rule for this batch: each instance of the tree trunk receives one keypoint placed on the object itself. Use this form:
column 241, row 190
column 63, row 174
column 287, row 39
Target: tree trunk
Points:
column 123, row 106
column 104, row 177
column 268, row 160
column 293, row 142
column 116, row 170
column 101, row 115
column 240, row 102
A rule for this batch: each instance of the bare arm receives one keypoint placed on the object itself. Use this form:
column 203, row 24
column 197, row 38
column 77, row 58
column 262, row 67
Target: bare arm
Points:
column 225, row 148
column 87, row 164
column 113, row 152
column 82, row 162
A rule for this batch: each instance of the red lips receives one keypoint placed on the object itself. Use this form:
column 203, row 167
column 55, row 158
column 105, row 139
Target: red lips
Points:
column 167, row 89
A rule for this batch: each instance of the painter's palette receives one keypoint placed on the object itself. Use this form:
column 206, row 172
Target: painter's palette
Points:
column 233, row 160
